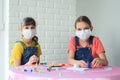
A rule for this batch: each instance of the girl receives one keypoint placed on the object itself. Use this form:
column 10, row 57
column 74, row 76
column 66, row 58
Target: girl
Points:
column 85, row 50
column 27, row 50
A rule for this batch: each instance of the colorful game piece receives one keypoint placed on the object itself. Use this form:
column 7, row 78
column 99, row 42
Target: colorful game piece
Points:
column 35, row 69
column 52, row 64
column 49, row 68
column 62, row 65
column 31, row 70
column 60, row 74
column 41, row 72
column 25, row 70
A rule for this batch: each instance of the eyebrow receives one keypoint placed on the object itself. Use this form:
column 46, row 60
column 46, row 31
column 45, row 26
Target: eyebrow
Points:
column 83, row 28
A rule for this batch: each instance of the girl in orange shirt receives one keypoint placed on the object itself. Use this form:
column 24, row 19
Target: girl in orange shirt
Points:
column 85, row 50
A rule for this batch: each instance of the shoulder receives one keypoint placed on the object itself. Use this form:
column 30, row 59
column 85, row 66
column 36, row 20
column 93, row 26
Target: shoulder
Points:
column 72, row 38
column 18, row 44
column 96, row 39
column 17, row 48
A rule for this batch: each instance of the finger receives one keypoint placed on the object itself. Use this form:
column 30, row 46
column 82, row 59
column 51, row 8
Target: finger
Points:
column 97, row 63
column 37, row 58
column 83, row 64
column 94, row 61
column 93, row 64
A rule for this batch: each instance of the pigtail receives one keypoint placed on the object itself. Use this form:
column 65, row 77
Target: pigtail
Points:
column 35, row 38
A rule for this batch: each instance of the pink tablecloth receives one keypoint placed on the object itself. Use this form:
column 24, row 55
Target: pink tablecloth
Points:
column 62, row 73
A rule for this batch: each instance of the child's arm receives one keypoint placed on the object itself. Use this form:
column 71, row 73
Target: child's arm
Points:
column 17, row 62
column 16, row 54
column 72, row 61
column 100, row 61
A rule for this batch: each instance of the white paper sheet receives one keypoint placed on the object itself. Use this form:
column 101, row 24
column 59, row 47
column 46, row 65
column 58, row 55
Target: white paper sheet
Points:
column 77, row 69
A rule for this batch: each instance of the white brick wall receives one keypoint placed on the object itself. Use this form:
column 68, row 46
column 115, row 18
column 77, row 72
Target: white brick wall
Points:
column 55, row 24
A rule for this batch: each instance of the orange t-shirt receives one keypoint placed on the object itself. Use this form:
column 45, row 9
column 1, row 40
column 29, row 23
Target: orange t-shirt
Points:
column 97, row 46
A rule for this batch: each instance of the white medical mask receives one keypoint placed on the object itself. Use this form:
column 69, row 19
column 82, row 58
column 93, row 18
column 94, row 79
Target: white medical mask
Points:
column 83, row 34
column 29, row 33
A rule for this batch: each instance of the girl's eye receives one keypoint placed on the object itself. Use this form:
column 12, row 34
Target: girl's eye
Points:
column 26, row 28
column 32, row 27
column 29, row 27
column 79, row 29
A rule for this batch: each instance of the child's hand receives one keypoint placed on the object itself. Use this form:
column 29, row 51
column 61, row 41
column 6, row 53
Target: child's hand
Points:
column 97, row 62
column 33, row 59
column 82, row 64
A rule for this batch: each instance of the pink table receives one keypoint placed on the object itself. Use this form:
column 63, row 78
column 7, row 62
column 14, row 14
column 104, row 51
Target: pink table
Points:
column 62, row 73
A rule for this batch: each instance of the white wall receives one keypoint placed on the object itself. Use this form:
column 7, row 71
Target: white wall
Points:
column 105, row 16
